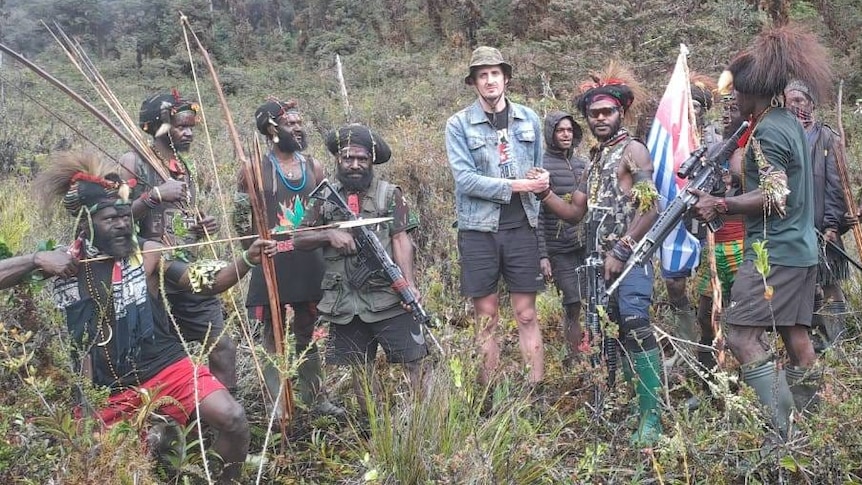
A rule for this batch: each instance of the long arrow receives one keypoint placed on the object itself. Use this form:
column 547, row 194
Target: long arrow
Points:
column 843, row 174
column 334, row 225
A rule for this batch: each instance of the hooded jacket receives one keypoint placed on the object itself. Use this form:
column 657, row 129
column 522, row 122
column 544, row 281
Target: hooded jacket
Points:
column 565, row 170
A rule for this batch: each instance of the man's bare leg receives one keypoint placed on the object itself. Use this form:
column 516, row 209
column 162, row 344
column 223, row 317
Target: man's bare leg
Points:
column 530, row 335
column 572, row 328
column 487, row 317
column 223, row 413
column 222, row 360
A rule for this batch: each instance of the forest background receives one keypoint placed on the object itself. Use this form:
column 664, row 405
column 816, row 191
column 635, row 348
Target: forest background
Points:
column 404, row 63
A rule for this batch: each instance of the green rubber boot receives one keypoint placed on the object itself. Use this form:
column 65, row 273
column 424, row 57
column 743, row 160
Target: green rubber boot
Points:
column 804, row 384
column 772, row 390
column 688, row 329
column 310, row 392
column 648, row 386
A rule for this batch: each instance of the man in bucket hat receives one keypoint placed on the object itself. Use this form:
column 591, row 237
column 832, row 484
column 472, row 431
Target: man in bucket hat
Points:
column 491, row 145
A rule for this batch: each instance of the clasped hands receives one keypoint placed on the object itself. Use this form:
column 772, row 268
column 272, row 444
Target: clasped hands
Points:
column 537, row 180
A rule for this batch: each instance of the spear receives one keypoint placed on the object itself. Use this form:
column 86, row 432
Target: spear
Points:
column 843, row 174
column 339, row 72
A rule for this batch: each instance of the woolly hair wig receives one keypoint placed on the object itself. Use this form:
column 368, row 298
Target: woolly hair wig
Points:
column 269, row 113
column 778, row 55
column 157, row 111
column 616, row 81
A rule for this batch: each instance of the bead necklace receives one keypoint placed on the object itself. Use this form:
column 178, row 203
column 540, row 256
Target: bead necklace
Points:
column 284, row 180
column 106, row 314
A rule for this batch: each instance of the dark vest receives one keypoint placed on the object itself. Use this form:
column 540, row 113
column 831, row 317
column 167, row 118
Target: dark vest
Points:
column 603, row 189
column 128, row 342
column 375, row 300
column 560, row 236
column 161, row 220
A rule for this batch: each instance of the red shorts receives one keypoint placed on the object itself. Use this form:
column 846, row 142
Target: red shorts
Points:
column 176, row 381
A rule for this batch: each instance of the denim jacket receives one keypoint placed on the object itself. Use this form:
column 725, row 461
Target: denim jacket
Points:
column 471, row 145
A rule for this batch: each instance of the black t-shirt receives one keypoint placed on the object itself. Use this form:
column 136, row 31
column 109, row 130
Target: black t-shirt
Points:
column 130, row 344
column 298, row 272
column 512, row 215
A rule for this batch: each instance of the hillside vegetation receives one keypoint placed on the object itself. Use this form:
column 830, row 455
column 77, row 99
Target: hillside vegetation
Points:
column 404, row 63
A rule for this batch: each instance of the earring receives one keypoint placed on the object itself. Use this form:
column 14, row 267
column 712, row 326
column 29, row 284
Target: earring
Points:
column 275, row 139
column 775, row 102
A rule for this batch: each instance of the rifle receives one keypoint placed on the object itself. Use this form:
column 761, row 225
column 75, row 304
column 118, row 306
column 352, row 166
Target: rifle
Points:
column 370, row 256
column 702, row 169
column 597, row 301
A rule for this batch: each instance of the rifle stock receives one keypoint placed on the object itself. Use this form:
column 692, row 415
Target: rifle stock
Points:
column 371, row 256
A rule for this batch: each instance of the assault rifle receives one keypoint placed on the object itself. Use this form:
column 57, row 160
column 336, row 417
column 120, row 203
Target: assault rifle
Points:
column 596, row 304
column 370, row 256
column 702, row 169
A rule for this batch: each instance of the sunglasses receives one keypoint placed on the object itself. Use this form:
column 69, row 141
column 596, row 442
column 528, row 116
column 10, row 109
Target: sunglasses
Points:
column 606, row 112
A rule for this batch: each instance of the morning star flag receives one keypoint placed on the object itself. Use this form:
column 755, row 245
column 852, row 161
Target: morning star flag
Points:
column 671, row 141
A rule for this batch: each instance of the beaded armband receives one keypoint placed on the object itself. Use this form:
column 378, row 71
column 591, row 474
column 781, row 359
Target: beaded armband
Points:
column 644, row 195
column 202, row 273
column 623, row 249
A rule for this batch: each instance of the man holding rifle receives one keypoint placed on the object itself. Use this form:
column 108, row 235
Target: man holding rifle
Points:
column 774, row 287
column 369, row 313
column 617, row 198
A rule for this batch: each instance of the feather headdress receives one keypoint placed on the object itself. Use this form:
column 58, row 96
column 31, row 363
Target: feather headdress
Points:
column 703, row 89
column 778, row 55
column 616, row 81
column 81, row 180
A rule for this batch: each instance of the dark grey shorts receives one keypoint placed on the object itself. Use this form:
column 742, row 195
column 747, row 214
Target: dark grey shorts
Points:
column 512, row 253
column 564, row 267
column 792, row 300
column 356, row 342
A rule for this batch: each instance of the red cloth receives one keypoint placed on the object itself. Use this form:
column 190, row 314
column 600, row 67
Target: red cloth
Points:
column 175, row 381
column 353, row 203
column 732, row 230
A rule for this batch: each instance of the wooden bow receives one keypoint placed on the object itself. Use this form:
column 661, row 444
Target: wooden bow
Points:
column 844, row 175
column 127, row 138
column 251, row 173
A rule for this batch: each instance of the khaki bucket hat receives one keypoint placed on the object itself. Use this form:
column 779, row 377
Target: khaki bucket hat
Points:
column 487, row 56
